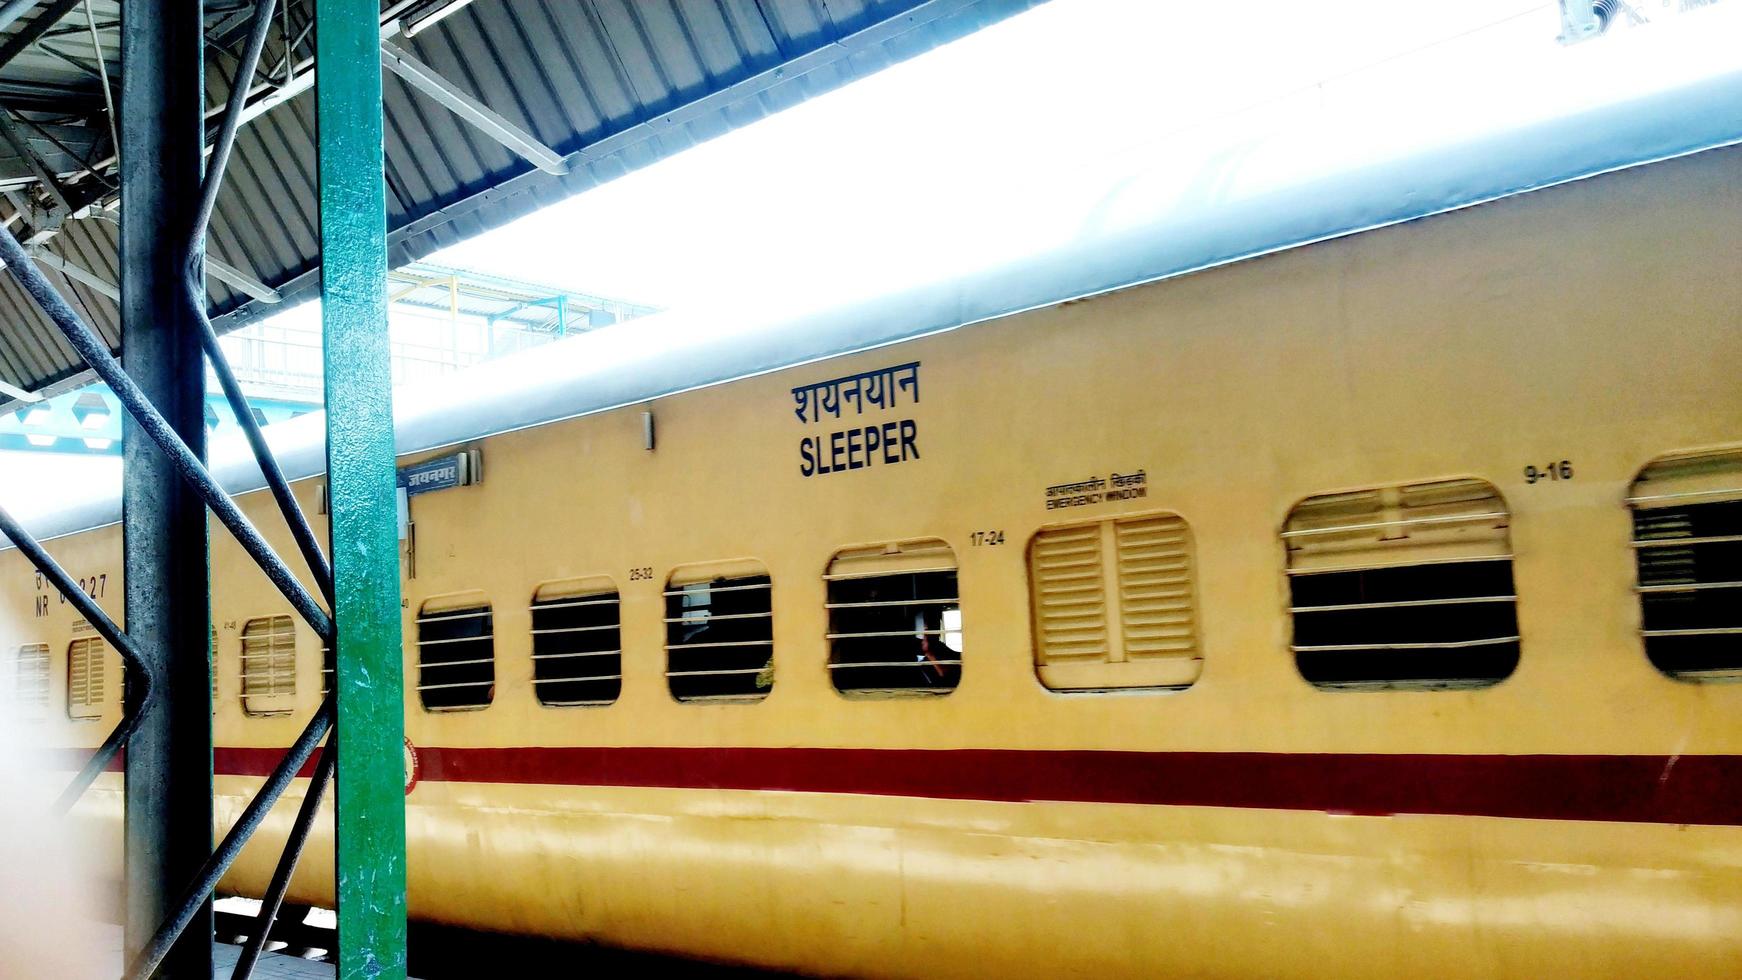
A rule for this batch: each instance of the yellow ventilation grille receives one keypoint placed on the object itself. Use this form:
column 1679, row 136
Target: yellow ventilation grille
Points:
column 85, row 678
column 30, row 680
column 1070, row 596
column 1155, row 589
column 1147, row 589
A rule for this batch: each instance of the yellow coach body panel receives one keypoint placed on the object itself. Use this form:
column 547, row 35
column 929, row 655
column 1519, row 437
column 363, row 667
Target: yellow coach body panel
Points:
column 1598, row 322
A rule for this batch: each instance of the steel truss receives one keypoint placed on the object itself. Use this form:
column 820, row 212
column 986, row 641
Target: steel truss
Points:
column 362, row 588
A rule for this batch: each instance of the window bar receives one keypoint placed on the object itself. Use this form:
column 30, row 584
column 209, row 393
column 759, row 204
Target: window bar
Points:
column 1686, row 542
column 1405, row 522
column 1687, row 586
column 1447, row 645
column 1405, row 604
column 273, row 900
column 572, row 604
column 153, row 424
column 885, row 634
column 710, row 590
column 916, row 662
column 482, row 637
column 106, row 628
column 1403, row 563
column 700, row 616
column 477, row 612
column 151, row 956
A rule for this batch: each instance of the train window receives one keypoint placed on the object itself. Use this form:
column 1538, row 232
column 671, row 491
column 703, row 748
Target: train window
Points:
column 895, row 619
column 1122, row 623
column 719, row 632
column 85, row 674
column 1687, row 544
column 1406, row 586
column 456, row 653
column 30, row 680
column 268, row 666
column 577, row 647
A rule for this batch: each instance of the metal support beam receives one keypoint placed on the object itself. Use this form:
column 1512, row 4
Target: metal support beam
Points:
column 22, row 147
column 33, row 32
column 12, row 10
column 168, row 803
column 369, row 795
column 424, row 79
column 235, row 278
column 77, row 273
column 19, row 394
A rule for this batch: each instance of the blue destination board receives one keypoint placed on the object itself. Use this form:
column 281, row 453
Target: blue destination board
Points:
column 444, row 473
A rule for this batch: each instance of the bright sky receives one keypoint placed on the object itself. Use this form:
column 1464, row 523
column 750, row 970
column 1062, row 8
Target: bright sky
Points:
column 849, row 183
column 1016, row 137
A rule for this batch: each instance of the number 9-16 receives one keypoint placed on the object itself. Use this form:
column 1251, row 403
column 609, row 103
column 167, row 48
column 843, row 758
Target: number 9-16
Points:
column 1562, row 470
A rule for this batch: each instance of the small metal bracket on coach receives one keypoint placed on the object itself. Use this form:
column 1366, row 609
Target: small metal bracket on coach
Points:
column 1582, row 20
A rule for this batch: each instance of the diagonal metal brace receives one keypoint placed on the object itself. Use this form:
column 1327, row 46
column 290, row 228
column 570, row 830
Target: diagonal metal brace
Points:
column 105, row 628
column 151, row 956
column 97, row 355
column 196, row 302
column 273, row 900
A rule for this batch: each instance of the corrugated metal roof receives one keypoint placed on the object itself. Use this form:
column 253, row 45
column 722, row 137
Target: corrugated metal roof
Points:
column 611, row 85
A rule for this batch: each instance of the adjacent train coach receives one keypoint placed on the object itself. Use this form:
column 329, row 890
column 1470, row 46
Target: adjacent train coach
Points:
column 1367, row 609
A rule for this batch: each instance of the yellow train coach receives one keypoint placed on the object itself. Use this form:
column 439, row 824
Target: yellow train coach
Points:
column 1367, row 609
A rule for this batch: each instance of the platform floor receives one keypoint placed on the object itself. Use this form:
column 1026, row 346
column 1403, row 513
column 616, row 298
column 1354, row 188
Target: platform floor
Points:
column 272, row 966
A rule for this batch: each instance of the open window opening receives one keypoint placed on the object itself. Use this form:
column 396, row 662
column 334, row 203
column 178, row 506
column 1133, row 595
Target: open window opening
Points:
column 268, row 666
column 895, row 619
column 1687, row 546
column 1406, row 586
column 577, row 644
column 456, row 653
column 719, row 632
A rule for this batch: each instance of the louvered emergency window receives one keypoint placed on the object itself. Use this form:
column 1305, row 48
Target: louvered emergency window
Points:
column 1403, row 586
column 268, row 666
column 1687, row 539
column 86, row 657
column 577, row 646
column 1114, row 604
column 456, row 654
column 719, row 632
column 30, row 680
column 895, row 619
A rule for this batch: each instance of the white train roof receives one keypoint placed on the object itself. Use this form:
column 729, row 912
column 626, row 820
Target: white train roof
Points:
column 1178, row 208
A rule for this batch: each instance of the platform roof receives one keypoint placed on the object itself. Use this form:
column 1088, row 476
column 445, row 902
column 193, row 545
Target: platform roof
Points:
column 562, row 95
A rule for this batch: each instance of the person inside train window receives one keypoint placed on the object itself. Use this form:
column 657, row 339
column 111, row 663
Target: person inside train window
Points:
column 895, row 619
column 719, row 638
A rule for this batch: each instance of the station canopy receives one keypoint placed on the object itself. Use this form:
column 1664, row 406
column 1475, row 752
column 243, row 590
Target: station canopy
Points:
column 494, row 108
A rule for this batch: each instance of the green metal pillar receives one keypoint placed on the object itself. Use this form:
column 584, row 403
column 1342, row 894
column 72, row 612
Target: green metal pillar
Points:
column 370, row 794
